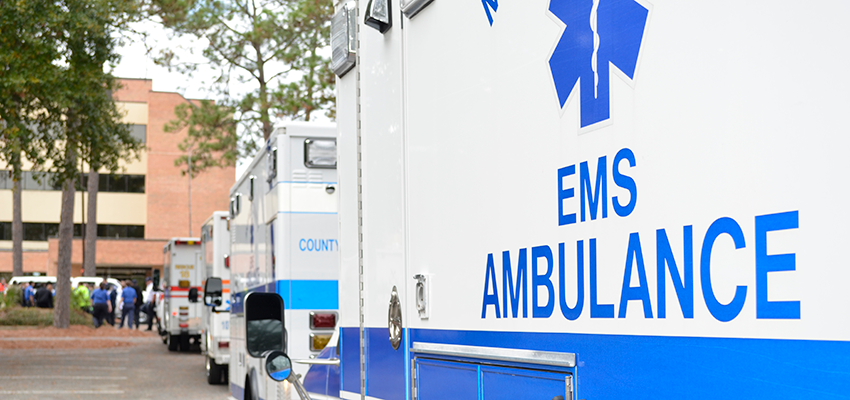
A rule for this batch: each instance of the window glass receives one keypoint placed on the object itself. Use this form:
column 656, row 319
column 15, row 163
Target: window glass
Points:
column 136, row 231
column 135, row 183
column 102, row 184
column 3, row 178
column 139, row 132
column 5, row 231
column 34, row 231
column 51, row 230
column 101, row 230
column 116, row 231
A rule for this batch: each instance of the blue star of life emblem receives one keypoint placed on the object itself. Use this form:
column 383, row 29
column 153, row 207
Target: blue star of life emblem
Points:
column 598, row 32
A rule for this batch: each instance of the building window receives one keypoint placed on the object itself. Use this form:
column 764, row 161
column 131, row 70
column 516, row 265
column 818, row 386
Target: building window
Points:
column 40, row 232
column 114, row 183
column 139, row 132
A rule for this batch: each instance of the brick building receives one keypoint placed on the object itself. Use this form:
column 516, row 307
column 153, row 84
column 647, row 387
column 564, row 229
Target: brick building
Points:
column 139, row 208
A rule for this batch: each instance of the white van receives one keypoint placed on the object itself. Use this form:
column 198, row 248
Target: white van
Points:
column 94, row 280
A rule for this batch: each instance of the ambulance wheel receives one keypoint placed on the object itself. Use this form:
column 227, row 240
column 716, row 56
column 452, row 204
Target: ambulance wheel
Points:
column 184, row 342
column 214, row 372
column 172, row 343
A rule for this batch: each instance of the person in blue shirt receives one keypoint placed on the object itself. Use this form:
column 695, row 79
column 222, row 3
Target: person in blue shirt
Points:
column 100, row 305
column 128, row 297
column 29, row 298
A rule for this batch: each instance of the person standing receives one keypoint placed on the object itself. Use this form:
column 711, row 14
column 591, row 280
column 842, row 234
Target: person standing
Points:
column 128, row 299
column 3, row 285
column 138, row 304
column 101, row 308
column 148, row 306
column 83, row 301
column 28, row 295
column 113, row 295
column 44, row 296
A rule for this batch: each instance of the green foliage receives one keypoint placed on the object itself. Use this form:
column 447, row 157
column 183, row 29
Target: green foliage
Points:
column 11, row 298
column 271, row 44
column 211, row 135
column 32, row 316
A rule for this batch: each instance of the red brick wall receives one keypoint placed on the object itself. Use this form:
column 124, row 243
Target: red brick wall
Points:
column 167, row 189
column 34, row 261
column 111, row 252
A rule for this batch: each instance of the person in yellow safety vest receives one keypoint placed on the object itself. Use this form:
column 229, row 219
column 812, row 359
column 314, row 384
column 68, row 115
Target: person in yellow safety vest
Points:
column 81, row 294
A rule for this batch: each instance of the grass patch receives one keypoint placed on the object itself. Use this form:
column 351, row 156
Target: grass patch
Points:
column 31, row 316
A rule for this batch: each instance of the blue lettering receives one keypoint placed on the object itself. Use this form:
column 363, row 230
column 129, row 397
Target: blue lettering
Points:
column 301, row 244
column 542, row 280
column 597, row 310
column 564, row 194
column 601, row 195
column 571, row 313
column 494, row 4
column 684, row 291
column 310, row 244
column 625, row 182
column 490, row 276
column 641, row 292
column 508, row 286
column 721, row 312
column 765, row 263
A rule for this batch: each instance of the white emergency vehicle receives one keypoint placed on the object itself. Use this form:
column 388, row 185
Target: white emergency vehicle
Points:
column 180, row 310
column 600, row 199
column 215, row 321
column 284, row 246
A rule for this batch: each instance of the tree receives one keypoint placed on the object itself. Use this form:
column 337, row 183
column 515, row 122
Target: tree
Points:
column 270, row 43
column 91, row 130
column 27, row 55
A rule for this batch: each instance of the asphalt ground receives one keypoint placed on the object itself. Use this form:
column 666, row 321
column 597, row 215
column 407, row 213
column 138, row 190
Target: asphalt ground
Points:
column 142, row 368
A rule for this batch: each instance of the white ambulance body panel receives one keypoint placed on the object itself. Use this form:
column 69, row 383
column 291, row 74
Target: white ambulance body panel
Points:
column 284, row 240
column 180, row 318
column 215, row 248
column 607, row 199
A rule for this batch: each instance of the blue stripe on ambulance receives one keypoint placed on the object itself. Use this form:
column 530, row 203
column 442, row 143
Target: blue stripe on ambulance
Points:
column 297, row 294
column 620, row 366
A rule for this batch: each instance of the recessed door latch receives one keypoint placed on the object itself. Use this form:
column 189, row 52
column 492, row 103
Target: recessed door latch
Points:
column 422, row 292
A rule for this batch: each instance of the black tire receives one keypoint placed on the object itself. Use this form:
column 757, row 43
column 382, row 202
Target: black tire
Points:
column 215, row 372
column 184, row 342
column 171, row 341
column 249, row 392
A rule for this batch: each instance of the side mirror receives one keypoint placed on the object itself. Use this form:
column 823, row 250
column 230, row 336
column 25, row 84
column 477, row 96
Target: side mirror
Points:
column 212, row 292
column 155, row 279
column 193, row 295
column 278, row 366
column 264, row 322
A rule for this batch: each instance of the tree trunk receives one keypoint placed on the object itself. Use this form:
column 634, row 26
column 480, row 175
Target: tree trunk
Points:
column 62, row 299
column 17, row 231
column 91, row 224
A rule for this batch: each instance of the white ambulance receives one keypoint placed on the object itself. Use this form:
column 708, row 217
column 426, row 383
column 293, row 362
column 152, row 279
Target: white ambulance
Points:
column 284, row 257
column 600, row 199
column 180, row 310
column 215, row 320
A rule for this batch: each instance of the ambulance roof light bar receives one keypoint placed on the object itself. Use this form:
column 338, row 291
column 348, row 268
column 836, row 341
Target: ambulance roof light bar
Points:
column 412, row 7
column 343, row 38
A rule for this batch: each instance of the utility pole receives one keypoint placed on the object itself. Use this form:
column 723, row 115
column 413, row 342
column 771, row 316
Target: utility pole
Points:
column 190, row 192
column 83, row 221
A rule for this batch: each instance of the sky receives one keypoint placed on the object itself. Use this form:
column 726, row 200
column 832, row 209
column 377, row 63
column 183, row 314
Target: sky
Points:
column 136, row 63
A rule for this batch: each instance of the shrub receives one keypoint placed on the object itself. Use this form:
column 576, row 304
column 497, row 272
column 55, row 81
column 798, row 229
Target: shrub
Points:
column 12, row 297
column 31, row 316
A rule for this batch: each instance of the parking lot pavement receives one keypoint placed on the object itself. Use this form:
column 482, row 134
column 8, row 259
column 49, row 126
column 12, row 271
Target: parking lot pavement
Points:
column 145, row 370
